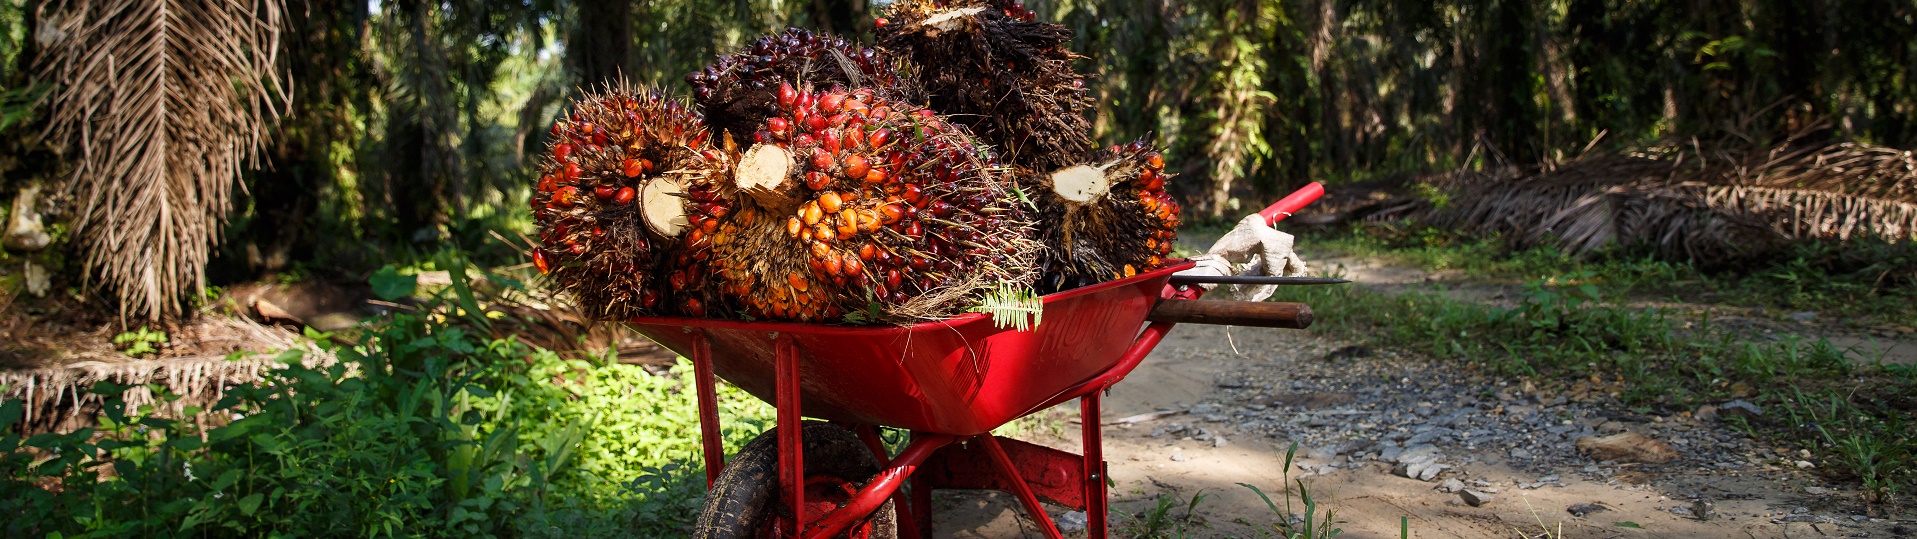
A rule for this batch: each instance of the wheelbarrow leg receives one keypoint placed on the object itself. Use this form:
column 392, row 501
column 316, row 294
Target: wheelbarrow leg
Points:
column 1024, row 491
column 908, row 526
column 791, row 442
column 1093, row 439
column 715, row 452
column 922, row 506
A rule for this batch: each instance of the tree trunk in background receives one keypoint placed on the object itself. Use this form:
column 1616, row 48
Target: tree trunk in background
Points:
column 601, row 44
column 839, row 16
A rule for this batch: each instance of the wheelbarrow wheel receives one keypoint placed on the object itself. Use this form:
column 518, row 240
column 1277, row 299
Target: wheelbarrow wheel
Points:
column 745, row 501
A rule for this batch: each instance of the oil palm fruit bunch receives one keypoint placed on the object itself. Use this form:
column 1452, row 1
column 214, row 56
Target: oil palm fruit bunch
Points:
column 624, row 204
column 1105, row 219
column 1004, row 74
column 853, row 205
column 738, row 92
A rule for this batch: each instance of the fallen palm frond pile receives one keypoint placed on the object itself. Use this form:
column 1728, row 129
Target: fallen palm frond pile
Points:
column 57, row 399
column 1683, row 203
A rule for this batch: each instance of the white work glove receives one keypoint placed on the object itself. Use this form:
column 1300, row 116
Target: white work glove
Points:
column 1252, row 248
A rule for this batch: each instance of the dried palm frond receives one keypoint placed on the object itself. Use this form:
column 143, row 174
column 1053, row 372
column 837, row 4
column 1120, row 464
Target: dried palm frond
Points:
column 1684, row 203
column 56, row 399
column 159, row 103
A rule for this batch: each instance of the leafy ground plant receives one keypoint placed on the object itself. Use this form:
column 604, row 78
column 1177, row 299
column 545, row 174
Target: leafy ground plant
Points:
column 1161, row 522
column 1313, row 522
column 426, row 429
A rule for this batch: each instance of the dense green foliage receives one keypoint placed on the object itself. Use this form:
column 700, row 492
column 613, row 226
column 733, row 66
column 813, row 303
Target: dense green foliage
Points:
column 426, row 430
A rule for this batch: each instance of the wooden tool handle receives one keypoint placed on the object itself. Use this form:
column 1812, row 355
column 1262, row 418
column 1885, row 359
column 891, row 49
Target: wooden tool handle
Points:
column 1264, row 314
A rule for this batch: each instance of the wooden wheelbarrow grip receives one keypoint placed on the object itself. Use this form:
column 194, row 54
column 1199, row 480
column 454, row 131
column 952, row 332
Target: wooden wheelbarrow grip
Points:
column 1264, row 314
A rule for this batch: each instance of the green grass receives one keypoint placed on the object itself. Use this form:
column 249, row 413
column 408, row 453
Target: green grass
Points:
column 1312, row 520
column 1572, row 323
column 1872, row 282
column 1163, row 521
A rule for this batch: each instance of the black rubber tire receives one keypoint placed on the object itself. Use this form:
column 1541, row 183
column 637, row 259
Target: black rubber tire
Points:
column 746, row 495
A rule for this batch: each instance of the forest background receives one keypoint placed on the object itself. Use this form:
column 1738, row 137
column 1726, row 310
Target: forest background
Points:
column 404, row 127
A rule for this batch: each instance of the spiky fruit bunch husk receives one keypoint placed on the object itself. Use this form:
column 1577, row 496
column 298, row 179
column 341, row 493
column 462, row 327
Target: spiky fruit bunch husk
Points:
column 1001, row 73
column 595, row 241
column 1123, row 226
column 738, row 92
column 855, row 204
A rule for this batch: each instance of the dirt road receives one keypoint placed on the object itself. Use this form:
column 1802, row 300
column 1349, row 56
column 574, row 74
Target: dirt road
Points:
column 1365, row 420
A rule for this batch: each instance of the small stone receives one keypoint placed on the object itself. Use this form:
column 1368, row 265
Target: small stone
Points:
column 1474, row 498
column 1816, row 491
column 1627, row 447
column 1705, row 414
column 1800, row 510
column 38, row 282
column 1804, row 316
column 1451, row 485
column 1520, row 453
column 1742, row 409
column 1860, row 519
column 1579, row 510
column 1219, row 441
column 1703, row 509
column 1680, row 510
column 1178, row 455
column 1072, row 521
column 1423, row 470
column 1612, row 427
column 1804, row 464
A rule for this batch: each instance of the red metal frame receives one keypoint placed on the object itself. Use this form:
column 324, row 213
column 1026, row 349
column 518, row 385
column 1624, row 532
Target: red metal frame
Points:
column 938, row 460
column 933, row 460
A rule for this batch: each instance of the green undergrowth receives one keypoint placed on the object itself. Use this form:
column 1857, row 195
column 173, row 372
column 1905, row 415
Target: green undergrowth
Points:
column 1571, row 329
column 426, row 429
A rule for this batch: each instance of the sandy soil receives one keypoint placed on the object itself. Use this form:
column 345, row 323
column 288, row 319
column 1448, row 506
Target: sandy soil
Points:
column 1761, row 497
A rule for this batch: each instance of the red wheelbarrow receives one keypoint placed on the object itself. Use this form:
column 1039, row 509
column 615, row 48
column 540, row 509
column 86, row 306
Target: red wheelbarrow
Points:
column 949, row 383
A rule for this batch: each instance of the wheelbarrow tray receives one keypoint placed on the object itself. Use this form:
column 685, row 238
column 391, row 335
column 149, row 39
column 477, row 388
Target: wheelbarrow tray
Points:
column 961, row 376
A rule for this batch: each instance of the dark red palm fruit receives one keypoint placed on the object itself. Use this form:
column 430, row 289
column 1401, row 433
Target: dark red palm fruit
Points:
column 738, row 92
column 594, row 244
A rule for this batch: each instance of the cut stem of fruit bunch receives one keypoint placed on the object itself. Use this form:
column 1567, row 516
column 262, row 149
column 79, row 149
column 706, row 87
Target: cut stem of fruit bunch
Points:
column 623, row 190
column 1106, row 219
column 738, row 92
column 852, row 203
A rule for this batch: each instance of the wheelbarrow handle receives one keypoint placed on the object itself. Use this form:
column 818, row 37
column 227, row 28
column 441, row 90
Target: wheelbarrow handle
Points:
column 1264, row 314
column 1293, row 202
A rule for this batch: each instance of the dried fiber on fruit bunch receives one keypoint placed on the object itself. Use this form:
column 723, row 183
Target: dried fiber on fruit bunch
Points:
column 1104, row 220
column 1006, row 76
column 623, row 193
column 738, row 92
column 854, row 208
